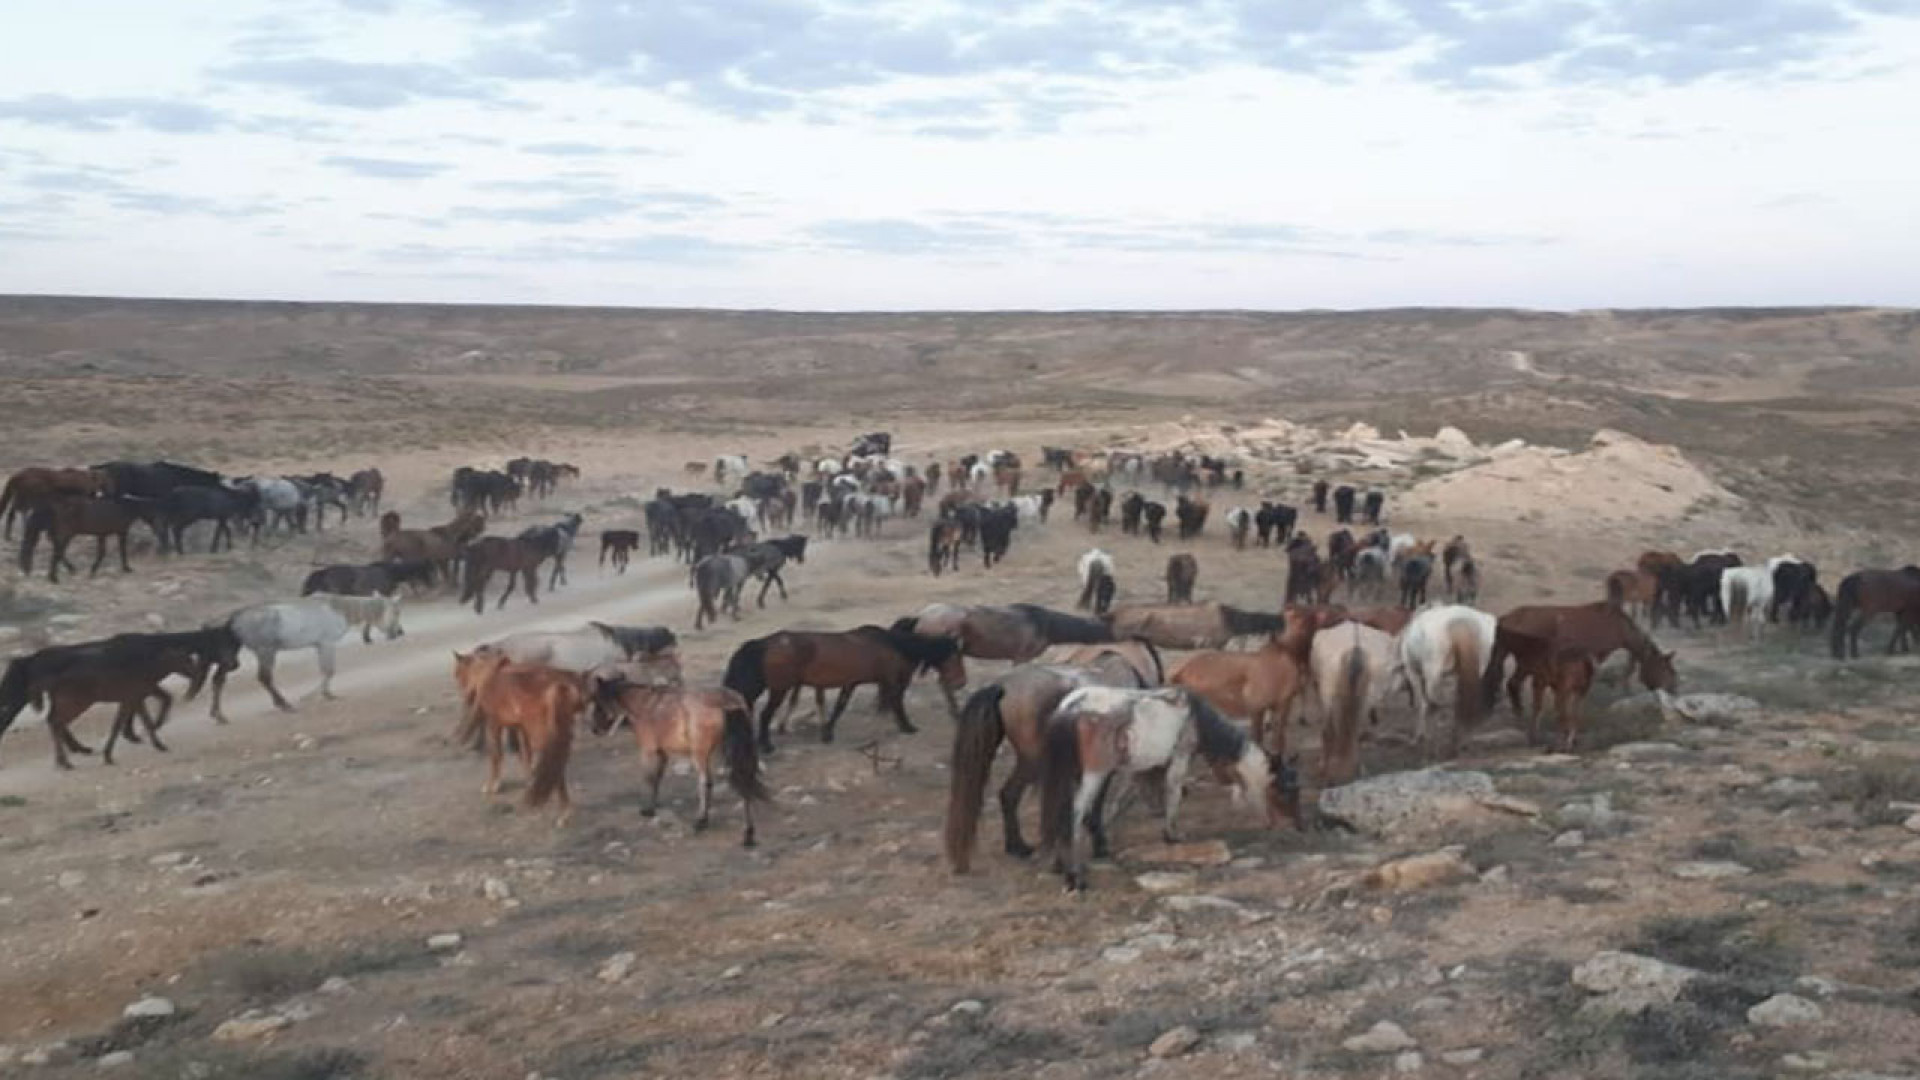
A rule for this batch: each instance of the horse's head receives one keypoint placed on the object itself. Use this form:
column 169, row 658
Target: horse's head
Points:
column 1657, row 672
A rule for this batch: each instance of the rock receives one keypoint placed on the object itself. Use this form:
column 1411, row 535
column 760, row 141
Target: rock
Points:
column 1236, row 1042
column 336, row 986
column 1629, row 982
column 52, row 1053
column 1708, row 870
column 1646, row 751
column 1784, row 1010
column 168, row 858
column 617, row 967
column 148, row 1007
column 1817, row 986
column 114, row 1060
column 1420, row 871
column 1912, row 824
column 1175, row 1042
column 1120, row 954
column 250, row 1025
column 495, row 889
column 968, row 1007
column 1203, row 904
column 444, row 942
column 1496, row 875
column 1384, row 1037
column 1164, row 882
column 156, row 621
column 1572, row 838
column 1408, row 1061
column 71, row 879
column 1423, row 801
column 1199, row 853
column 1809, row 1061
column 1714, row 708
column 1466, row 1055
column 1594, row 817
column 1497, row 739
column 1791, row 788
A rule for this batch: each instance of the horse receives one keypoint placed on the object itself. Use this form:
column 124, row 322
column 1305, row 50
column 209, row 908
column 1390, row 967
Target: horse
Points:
column 1455, row 551
column 671, row 722
column 1598, row 629
column 154, row 479
column 112, row 670
column 1320, row 496
column 554, row 542
column 1632, row 591
column 316, row 622
column 1182, row 571
column 1374, row 502
column 996, row 534
column 1793, row 581
column 187, row 504
column 1343, row 504
column 1469, row 574
column 365, row 489
column 1413, row 581
column 621, row 543
column 1274, row 522
column 718, row 580
column 538, row 706
column 1191, row 626
column 373, row 579
column 31, row 488
column 780, row 664
column 1014, row 708
column 1096, row 581
column 1099, row 731
column 1369, row 580
column 1865, row 593
column 1260, row 685
column 1449, row 640
column 1016, row 632
column 765, row 561
column 943, row 546
column 99, row 517
column 1191, row 515
column 441, row 545
column 1746, row 595
column 1239, row 524
column 518, row 556
column 1349, row 671
column 281, row 502
column 1153, row 516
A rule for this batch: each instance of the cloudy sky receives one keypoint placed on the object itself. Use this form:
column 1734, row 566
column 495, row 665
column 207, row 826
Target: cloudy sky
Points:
column 847, row 154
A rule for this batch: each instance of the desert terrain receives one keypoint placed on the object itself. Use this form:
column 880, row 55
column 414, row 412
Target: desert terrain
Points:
column 278, row 880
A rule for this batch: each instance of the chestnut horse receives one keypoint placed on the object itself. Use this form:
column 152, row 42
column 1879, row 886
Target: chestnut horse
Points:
column 1191, row 626
column 1865, row 593
column 32, row 488
column 785, row 662
column 66, row 517
column 670, row 722
column 539, row 705
column 440, row 545
column 1600, row 629
column 1014, row 708
column 1260, row 685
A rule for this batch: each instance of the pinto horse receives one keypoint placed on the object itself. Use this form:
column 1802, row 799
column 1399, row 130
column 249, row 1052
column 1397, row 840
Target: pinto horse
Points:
column 785, row 662
column 670, row 722
column 539, row 706
column 1014, row 708
column 1098, row 732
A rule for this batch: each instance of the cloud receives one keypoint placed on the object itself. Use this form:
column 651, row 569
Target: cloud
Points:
column 659, row 247
column 355, row 85
column 581, row 149
column 384, row 168
column 110, row 113
column 564, row 212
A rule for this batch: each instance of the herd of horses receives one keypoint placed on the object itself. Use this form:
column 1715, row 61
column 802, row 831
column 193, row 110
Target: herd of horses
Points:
column 1089, row 697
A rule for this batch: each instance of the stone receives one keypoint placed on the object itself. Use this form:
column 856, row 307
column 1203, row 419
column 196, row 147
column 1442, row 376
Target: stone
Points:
column 1595, row 816
column 148, row 1007
column 1421, row 801
column 1420, row 871
column 1645, row 751
column 1572, row 838
column 444, row 942
column 52, row 1053
column 336, row 986
column 1175, row 1042
column 1912, row 824
column 250, row 1025
column 71, row 879
column 1199, row 853
column 114, row 1060
column 1408, row 1061
column 495, row 889
column 1384, row 1037
column 168, row 858
column 617, row 967
column 156, row 621
column 1807, row 1061
column 1236, row 1042
column 968, row 1007
column 1708, row 870
column 1713, row 708
column 1203, row 904
column 1629, row 982
column 1817, row 986
column 1784, row 1010
column 1162, row 881
column 1466, row 1055
column 1793, row 788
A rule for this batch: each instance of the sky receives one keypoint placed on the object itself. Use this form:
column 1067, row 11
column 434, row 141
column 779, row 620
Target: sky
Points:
column 965, row 154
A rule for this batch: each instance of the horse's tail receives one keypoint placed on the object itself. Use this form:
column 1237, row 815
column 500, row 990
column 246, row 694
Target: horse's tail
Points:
column 1467, row 696
column 9, row 500
column 1496, row 670
column 1616, row 592
column 1349, row 691
column 13, row 690
column 746, row 673
column 976, row 738
column 550, row 767
column 472, row 576
column 1059, row 778
column 39, row 520
column 1845, row 598
column 743, row 758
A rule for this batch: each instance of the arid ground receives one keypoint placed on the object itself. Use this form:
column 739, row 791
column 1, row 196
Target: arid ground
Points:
column 290, row 870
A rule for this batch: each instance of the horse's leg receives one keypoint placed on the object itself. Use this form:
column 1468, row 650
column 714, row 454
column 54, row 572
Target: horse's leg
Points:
column 653, row 766
column 99, row 553
column 60, row 716
column 1176, row 786
column 496, row 755
column 1079, row 836
column 122, row 720
column 512, row 580
column 267, row 657
column 780, row 581
column 155, row 723
column 219, row 685
column 703, row 767
column 898, row 699
column 839, row 706
column 1010, row 794
column 531, row 579
column 774, row 697
column 325, row 651
column 1096, row 820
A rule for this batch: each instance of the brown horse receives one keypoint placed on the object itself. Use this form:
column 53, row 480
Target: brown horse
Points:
column 32, row 488
column 783, row 663
column 113, row 680
column 538, row 705
column 1632, row 591
column 100, row 517
column 1014, row 708
column 1191, row 626
column 1260, row 685
column 518, row 557
column 1182, row 571
column 1533, row 636
column 1865, row 593
column 1136, row 653
column 439, row 545
column 1016, row 632
column 670, row 722
column 1650, row 562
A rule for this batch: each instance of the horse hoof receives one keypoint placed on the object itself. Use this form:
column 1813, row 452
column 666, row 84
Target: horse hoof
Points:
column 826, row 735
column 700, row 824
column 1020, row 851
column 647, row 811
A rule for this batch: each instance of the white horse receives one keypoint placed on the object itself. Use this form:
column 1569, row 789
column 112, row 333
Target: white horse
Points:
column 751, row 511
column 317, row 622
column 1397, row 547
column 826, row 466
column 726, row 465
column 1239, row 522
column 1747, row 592
column 981, row 475
column 1031, row 508
column 1095, row 566
column 1448, row 640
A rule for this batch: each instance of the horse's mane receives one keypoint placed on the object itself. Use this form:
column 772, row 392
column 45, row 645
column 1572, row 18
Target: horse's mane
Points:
column 637, row 639
column 1240, row 622
column 1159, row 665
column 926, row 652
column 1220, row 742
column 1060, row 628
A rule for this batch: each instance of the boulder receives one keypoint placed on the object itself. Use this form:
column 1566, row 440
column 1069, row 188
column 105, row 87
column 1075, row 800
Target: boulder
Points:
column 1384, row 1037
column 1629, row 982
column 1175, row 1042
column 1784, row 1010
column 1422, row 802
